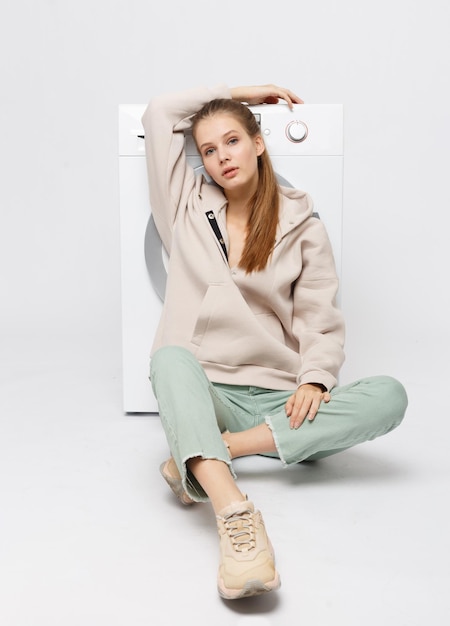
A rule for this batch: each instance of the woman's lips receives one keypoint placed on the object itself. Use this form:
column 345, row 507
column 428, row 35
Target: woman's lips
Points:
column 230, row 172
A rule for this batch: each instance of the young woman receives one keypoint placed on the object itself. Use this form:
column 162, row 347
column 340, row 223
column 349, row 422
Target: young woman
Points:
column 250, row 341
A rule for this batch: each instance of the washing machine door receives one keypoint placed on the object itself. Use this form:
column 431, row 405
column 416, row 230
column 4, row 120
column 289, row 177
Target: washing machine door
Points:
column 156, row 257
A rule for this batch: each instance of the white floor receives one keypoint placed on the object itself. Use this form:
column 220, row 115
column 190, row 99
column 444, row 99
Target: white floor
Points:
column 91, row 536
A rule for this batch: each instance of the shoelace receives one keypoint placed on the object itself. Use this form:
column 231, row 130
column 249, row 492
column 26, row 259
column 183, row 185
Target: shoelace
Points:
column 240, row 529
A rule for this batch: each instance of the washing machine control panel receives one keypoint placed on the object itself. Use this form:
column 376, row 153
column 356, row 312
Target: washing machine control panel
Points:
column 304, row 130
column 296, row 131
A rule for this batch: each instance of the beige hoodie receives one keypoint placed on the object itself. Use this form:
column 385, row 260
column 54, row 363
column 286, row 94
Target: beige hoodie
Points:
column 277, row 328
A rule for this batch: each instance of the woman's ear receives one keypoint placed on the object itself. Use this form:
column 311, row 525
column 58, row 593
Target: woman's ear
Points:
column 260, row 146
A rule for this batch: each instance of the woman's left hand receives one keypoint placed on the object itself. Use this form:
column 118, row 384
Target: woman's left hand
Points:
column 304, row 404
column 265, row 94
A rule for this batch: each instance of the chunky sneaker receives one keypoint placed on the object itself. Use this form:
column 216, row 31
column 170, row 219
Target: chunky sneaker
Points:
column 247, row 565
column 172, row 477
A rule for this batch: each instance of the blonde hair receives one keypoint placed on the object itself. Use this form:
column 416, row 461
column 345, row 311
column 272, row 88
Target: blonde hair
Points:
column 264, row 205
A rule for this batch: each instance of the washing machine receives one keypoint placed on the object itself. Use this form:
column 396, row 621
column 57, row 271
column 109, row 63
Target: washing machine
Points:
column 306, row 147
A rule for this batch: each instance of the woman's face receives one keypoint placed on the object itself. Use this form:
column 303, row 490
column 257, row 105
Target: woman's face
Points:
column 229, row 154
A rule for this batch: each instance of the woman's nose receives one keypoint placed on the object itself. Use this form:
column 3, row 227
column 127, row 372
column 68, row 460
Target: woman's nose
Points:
column 223, row 156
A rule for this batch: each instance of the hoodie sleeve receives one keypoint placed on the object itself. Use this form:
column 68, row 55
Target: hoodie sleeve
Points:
column 318, row 323
column 171, row 179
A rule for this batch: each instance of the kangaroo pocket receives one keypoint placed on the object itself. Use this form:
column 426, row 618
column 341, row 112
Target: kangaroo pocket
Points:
column 229, row 333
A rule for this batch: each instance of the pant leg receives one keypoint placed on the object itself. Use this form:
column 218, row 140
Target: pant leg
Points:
column 187, row 412
column 357, row 412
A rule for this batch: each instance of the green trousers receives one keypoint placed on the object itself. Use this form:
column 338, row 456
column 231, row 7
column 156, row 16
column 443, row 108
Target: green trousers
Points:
column 194, row 412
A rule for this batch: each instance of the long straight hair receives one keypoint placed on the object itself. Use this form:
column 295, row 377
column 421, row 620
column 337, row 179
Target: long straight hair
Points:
column 264, row 205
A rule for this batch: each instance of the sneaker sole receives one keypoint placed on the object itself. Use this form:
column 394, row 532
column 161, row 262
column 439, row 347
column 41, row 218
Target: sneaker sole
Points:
column 251, row 588
column 176, row 485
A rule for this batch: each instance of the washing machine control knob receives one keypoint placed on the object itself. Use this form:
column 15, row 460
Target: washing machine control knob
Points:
column 296, row 131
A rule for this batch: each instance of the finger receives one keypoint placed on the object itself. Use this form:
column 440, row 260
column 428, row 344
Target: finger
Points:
column 275, row 93
column 296, row 99
column 299, row 413
column 313, row 409
column 291, row 98
column 297, row 421
column 289, row 405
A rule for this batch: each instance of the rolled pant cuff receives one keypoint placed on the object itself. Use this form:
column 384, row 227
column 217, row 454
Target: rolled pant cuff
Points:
column 268, row 420
column 191, row 485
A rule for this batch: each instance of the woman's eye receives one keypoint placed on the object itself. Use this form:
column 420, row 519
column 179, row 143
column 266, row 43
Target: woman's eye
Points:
column 233, row 140
column 209, row 151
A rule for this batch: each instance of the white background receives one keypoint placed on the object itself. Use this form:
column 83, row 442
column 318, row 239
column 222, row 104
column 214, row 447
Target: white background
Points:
column 65, row 68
